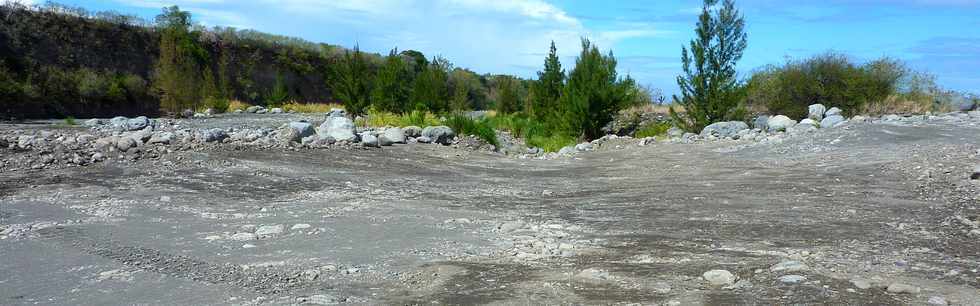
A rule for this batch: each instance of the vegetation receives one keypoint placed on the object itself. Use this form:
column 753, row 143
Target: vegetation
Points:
column 430, row 91
column 310, row 107
column 547, row 89
column 351, row 80
column 593, row 93
column 653, row 129
column 391, row 89
column 465, row 125
column 710, row 91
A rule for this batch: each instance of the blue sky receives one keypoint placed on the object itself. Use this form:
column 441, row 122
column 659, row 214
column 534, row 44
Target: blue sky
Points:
column 511, row 36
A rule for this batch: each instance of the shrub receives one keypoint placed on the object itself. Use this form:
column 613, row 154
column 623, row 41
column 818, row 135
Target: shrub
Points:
column 219, row 105
column 70, row 121
column 652, row 129
column 419, row 118
column 234, row 105
column 464, row 125
column 550, row 143
column 351, row 79
column 593, row 94
column 310, row 107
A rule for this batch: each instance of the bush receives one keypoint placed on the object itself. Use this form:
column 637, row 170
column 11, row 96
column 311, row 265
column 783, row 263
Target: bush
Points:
column 464, row 125
column 652, row 129
column 70, row 121
column 419, row 118
column 551, row 143
column 310, row 107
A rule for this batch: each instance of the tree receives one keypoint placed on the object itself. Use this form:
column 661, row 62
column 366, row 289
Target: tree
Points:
column 351, row 80
column 392, row 87
column 177, row 74
column 710, row 91
column 431, row 91
column 547, row 89
column 508, row 100
column 593, row 93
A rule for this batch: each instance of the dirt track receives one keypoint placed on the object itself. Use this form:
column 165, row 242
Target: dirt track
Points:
column 874, row 204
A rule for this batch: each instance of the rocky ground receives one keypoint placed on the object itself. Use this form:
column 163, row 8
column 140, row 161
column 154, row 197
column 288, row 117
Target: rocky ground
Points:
column 879, row 211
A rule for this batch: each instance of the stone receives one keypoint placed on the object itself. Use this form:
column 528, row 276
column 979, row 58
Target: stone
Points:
column 243, row 237
column 97, row 157
column 937, row 301
column 269, row 230
column 336, row 112
column 161, row 138
column 423, row 139
column 861, row 284
column 339, row 128
column 583, row 147
column 25, row 141
column 253, row 109
column 212, row 135
column 412, row 131
column 833, row 111
column 118, row 122
column 137, row 123
column 903, row 288
column 510, row 226
column 816, row 112
column 809, row 122
column 304, row 128
column 439, row 134
column 187, row 113
column 724, row 129
column 831, row 121
column 789, row 266
column 392, row 136
column 567, row 150
column 370, row 140
column 780, row 123
column 891, row 117
column 791, row 279
column 593, row 274
column 275, row 110
column 761, row 122
column 92, row 122
column 299, row 226
column 125, row 143
column 719, row 278
column 675, row 132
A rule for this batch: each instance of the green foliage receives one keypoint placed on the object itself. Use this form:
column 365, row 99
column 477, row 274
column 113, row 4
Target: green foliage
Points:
column 550, row 143
column 351, row 81
column 653, row 129
column 419, row 118
column 392, row 88
column 593, row 93
column 465, row 125
column 430, row 90
column 469, row 91
column 710, row 91
column 546, row 91
column 70, row 121
column 177, row 75
column 278, row 94
column 508, row 99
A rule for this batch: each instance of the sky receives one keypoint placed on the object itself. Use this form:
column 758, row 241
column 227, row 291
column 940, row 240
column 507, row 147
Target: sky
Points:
column 941, row 37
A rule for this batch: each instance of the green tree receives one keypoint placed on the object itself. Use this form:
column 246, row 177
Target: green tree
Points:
column 593, row 93
column 392, row 87
column 508, row 99
column 177, row 75
column 461, row 98
column 547, row 89
column 710, row 91
column 278, row 94
column 351, row 81
column 431, row 91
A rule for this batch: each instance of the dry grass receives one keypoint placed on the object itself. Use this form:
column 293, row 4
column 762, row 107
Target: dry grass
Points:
column 236, row 105
column 310, row 107
column 895, row 104
column 654, row 108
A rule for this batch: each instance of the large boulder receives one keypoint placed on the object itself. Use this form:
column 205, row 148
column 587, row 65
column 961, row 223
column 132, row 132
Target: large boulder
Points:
column 831, row 121
column 302, row 128
column 412, row 131
column 392, row 135
column 161, row 138
column 719, row 278
column 724, row 129
column 212, row 135
column 567, row 150
column 336, row 112
column 816, row 112
column 761, row 122
column 339, row 128
column 370, row 140
column 675, row 132
column 439, row 134
column 809, row 122
column 780, row 123
column 253, row 109
column 276, row 110
column 125, row 143
column 833, row 111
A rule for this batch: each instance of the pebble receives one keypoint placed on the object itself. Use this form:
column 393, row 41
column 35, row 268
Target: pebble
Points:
column 243, row 237
column 937, row 301
column 300, row 226
column 248, row 246
column 269, row 230
column 164, row 199
column 719, row 278
column 861, row 284
column 903, row 288
column 789, row 266
column 510, row 226
column 792, row 279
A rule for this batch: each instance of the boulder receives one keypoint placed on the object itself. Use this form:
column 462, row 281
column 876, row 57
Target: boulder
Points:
column 816, row 112
column 92, row 122
column 253, row 109
column 339, row 128
column 719, row 278
column 187, row 113
column 125, row 143
column 212, row 135
column 392, row 136
column 780, row 123
column 789, row 266
column 302, row 128
column 262, row 111
column 276, row 110
column 831, row 121
column 269, row 230
column 675, row 132
column 567, row 150
column 25, row 141
column 761, row 122
column 439, row 134
column 336, row 112
column 162, row 138
column 370, row 140
column 412, row 131
column 583, row 147
column 791, row 279
column 724, row 129
column 833, row 111
column 809, row 122
column 891, row 117
column 137, row 123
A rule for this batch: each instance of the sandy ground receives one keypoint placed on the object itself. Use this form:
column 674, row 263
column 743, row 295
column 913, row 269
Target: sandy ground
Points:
column 857, row 209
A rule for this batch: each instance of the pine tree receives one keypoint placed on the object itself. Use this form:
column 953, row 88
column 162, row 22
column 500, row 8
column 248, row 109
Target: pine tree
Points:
column 431, row 91
column 461, row 98
column 508, row 100
column 593, row 93
column 351, row 81
column 710, row 91
column 392, row 88
column 177, row 74
column 547, row 89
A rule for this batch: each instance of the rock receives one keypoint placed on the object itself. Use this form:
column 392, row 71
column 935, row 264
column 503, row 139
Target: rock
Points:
column 336, row 112
column 567, row 150
column 137, row 123
column 97, row 157
column 423, row 139
column 809, row 122
column 593, row 274
column 937, row 301
column 118, row 122
column 903, row 288
column 816, row 112
column 833, row 111
column 675, row 132
column 780, row 123
column 791, row 279
column 393, row 135
column 125, row 143
column 891, row 117
column 161, row 138
column 831, row 121
column 858, row 119
column 861, row 284
column 187, row 113
column 25, row 141
column 789, row 266
column 295, row 132
column 370, row 140
column 304, row 128
column 269, row 230
column 262, row 111
column 320, row 299
column 92, row 122
column 976, row 173
column 299, row 226
column 253, row 109
column 200, row 115
column 761, row 122
column 510, row 226
column 439, row 134
column 275, row 110
column 339, row 128
column 243, row 237
column 412, row 131
column 719, row 278
column 724, row 129
column 583, row 147
column 212, row 135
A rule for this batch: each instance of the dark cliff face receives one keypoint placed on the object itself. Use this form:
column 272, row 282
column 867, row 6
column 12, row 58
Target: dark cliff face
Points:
column 42, row 53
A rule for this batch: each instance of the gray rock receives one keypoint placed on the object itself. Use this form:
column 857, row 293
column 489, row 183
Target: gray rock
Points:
column 583, row 147
column 137, row 123
column 25, row 141
column 724, row 129
column 891, row 117
column 831, row 121
column 161, row 138
column 789, row 266
column 780, row 123
column 761, row 122
column 276, row 110
column 423, row 139
column 92, row 122
column 212, row 135
column 412, row 131
column 791, row 279
column 816, row 112
column 269, row 230
column 303, row 128
column 809, row 122
column 675, row 132
column 253, row 109
column 243, row 237
column 299, row 226
column 833, row 111
column 118, row 122
column 392, row 136
column 339, row 128
column 97, row 157
column 262, row 111
column 439, row 134
column 510, row 226
column 187, row 113
column 719, row 278
column 125, row 143
column 336, row 112
column 567, row 150
column 937, row 301
column 903, row 288
column 84, row 139
column 370, row 140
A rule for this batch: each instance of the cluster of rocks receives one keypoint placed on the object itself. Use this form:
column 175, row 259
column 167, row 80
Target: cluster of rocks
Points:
column 819, row 117
column 258, row 109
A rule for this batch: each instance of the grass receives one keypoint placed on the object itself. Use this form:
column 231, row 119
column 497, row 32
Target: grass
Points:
column 550, row 143
column 464, row 125
column 237, row 105
column 381, row 119
column 652, row 129
column 70, row 121
column 310, row 107
column 534, row 132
